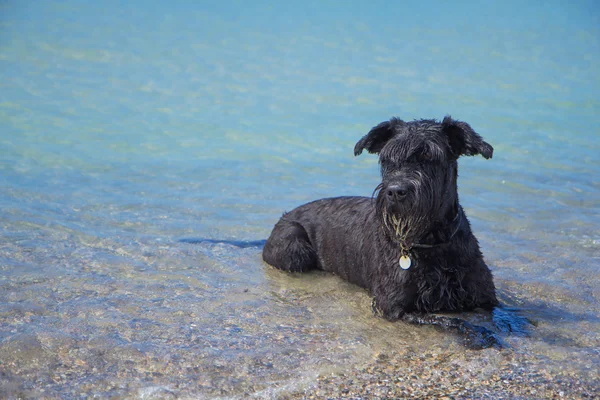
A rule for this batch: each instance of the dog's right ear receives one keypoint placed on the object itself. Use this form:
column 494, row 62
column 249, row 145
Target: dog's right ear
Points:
column 378, row 136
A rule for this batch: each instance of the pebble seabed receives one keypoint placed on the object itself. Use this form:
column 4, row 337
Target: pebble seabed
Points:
column 398, row 376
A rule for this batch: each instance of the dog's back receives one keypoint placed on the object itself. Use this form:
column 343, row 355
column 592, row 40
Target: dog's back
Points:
column 324, row 234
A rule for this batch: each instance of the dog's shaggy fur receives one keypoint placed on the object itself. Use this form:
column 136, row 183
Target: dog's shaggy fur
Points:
column 416, row 215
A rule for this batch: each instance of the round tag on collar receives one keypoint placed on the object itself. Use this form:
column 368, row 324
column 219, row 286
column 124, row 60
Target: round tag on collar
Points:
column 405, row 262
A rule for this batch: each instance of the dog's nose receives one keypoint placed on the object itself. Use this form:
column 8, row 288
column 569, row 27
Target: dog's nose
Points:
column 397, row 192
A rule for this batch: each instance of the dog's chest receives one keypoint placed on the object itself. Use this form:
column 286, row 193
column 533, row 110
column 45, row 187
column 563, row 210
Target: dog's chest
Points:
column 439, row 286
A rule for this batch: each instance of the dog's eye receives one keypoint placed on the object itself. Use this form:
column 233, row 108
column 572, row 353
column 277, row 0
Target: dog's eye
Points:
column 425, row 156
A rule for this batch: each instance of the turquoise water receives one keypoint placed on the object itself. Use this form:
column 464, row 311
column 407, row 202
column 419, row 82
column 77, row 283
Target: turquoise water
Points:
column 125, row 128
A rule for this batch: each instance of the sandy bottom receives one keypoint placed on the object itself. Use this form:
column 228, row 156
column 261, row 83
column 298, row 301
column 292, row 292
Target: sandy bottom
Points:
column 177, row 320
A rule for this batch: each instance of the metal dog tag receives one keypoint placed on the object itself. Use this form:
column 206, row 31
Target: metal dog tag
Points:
column 405, row 262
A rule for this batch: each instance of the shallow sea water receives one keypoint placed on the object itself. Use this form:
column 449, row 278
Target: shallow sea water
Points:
column 129, row 132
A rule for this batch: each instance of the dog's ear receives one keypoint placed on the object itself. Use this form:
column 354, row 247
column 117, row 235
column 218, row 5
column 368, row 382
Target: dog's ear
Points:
column 378, row 136
column 464, row 140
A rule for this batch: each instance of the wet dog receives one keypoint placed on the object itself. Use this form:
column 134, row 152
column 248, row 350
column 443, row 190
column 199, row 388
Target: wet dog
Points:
column 411, row 244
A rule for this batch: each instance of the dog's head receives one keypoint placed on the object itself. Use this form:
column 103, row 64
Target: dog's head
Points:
column 419, row 171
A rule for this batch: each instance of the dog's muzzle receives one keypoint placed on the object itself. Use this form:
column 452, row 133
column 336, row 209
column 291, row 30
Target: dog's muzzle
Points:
column 396, row 193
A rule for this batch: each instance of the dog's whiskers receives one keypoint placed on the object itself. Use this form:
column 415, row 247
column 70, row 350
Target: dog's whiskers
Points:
column 377, row 190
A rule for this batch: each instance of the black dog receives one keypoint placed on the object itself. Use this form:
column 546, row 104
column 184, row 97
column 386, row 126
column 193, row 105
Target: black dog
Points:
column 411, row 246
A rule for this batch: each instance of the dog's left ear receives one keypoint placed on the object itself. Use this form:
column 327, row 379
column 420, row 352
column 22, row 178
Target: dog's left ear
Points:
column 464, row 140
column 378, row 136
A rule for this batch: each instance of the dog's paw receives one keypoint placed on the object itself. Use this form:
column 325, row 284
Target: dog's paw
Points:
column 391, row 315
column 508, row 320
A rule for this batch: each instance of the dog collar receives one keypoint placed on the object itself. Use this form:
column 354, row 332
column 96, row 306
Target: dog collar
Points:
column 405, row 260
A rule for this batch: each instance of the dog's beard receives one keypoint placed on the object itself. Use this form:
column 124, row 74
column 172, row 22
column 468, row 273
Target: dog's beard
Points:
column 406, row 222
column 406, row 228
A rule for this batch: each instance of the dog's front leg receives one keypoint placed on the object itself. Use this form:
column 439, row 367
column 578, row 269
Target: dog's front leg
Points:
column 391, row 301
column 390, row 313
column 476, row 337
